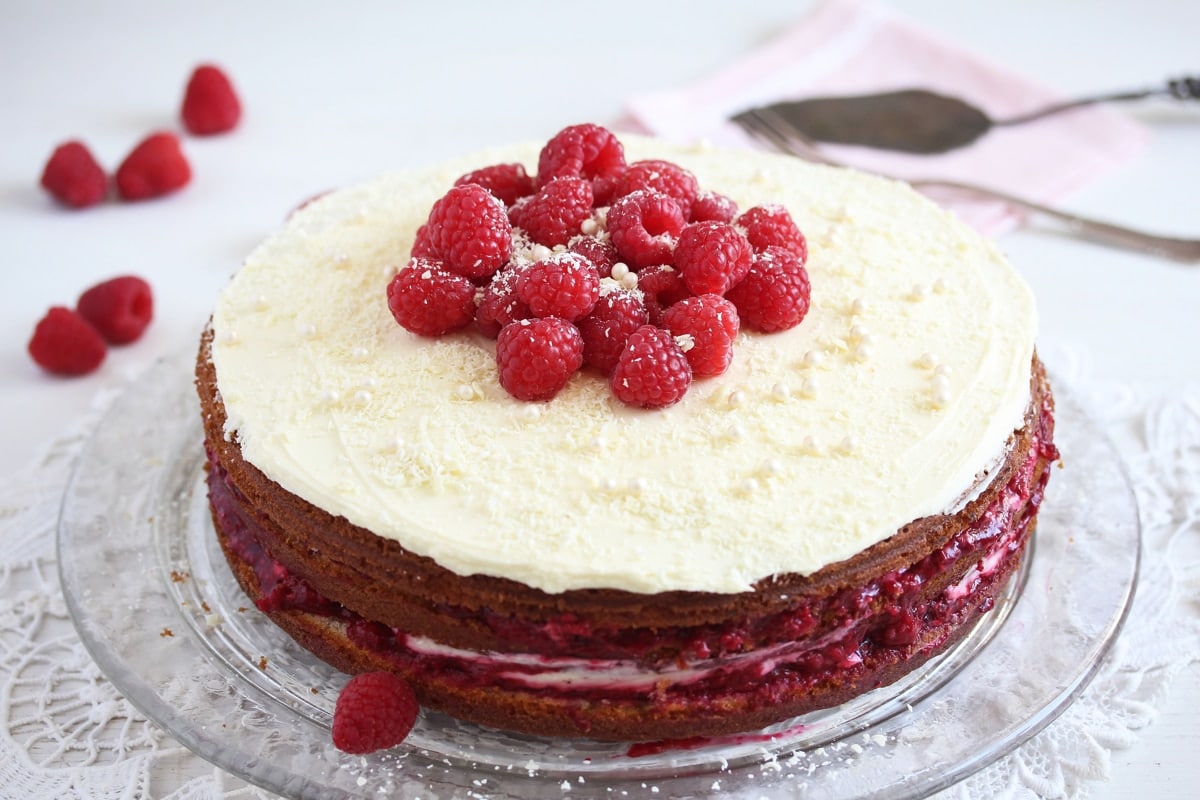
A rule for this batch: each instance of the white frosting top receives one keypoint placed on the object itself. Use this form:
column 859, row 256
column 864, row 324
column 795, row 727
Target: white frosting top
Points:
column 903, row 383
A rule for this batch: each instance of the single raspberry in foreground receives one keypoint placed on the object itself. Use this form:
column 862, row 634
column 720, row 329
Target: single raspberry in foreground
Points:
column 605, row 331
column 73, row 177
column 598, row 251
column 428, row 300
column 210, row 104
column 710, row 205
column 773, row 225
column 565, row 285
column 712, row 323
column 508, row 182
column 468, row 229
column 556, row 212
column 712, row 257
column 120, row 309
column 157, row 166
column 66, row 344
column 652, row 371
column 661, row 287
column 644, row 226
column 666, row 177
column 536, row 357
column 499, row 304
column 375, row 711
column 775, row 293
column 586, row 151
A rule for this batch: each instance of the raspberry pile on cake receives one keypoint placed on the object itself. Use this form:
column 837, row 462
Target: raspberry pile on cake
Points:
column 621, row 267
column 669, row 442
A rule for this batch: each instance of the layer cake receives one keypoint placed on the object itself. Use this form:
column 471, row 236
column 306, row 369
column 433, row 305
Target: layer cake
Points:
column 836, row 508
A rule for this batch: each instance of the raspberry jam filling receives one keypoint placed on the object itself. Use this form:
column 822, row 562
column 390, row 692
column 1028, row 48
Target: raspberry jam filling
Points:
column 842, row 637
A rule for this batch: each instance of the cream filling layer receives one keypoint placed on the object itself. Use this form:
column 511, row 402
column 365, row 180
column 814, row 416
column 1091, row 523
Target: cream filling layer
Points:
column 888, row 403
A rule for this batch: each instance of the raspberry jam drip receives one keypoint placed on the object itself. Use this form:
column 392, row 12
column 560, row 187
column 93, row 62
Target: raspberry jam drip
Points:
column 833, row 640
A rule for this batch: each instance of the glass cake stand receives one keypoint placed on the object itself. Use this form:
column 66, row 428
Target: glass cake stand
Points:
column 159, row 610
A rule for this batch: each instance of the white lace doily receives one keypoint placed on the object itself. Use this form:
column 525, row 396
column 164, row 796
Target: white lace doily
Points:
column 68, row 733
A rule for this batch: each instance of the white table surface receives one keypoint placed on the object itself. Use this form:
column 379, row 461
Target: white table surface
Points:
column 335, row 93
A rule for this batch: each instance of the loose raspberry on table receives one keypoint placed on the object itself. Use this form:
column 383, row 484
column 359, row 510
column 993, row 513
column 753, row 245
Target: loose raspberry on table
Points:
column 375, row 711
column 772, row 225
column 120, row 309
column 566, row 285
column 210, row 104
column 508, row 182
column 499, row 304
column 157, row 166
column 66, row 344
column 618, row 313
column 710, row 205
column 585, row 151
column 774, row 295
column 469, row 231
column 73, row 177
column 712, row 257
column 429, row 300
column 554, row 214
column 536, row 357
column 600, row 252
column 661, row 286
column 652, row 371
column 712, row 323
column 660, row 176
column 644, row 227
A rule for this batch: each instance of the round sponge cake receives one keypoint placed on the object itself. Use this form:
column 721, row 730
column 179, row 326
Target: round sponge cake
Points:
column 822, row 518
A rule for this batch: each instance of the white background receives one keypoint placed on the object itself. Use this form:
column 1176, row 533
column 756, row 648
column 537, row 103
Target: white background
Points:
column 335, row 93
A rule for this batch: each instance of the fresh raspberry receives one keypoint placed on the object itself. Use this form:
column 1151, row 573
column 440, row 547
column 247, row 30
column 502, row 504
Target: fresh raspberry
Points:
column 617, row 315
column 499, row 304
column 712, row 257
column 508, row 182
column 712, row 206
column 423, row 243
column 662, row 287
column 155, row 167
column 652, row 371
column 427, row 299
column 644, row 226
column 600, row 252
column 555, row 213
column 66, row 344
column 773, row 225
column 583, row 151
column 712, row 322
column 775, row 293
column 660, row 176
column 73, row 177
column 210, row 105
column 536, row 357
column 375, row 711
column 566, row 285
column 470, row 232
column 119, row 309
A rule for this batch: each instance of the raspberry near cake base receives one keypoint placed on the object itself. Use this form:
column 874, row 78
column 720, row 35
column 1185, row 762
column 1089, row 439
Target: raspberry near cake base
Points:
column 836, row 508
